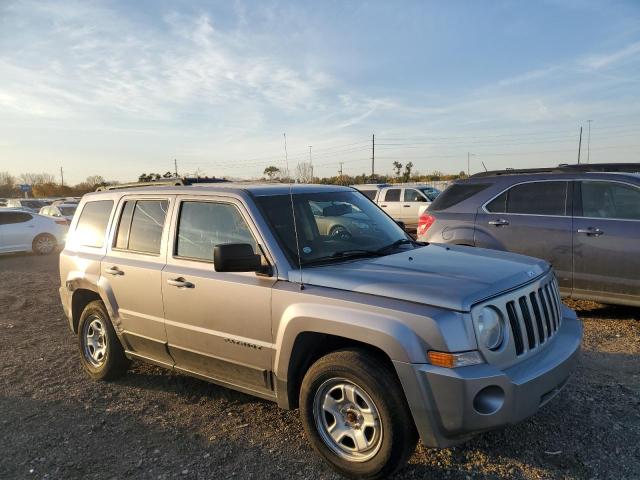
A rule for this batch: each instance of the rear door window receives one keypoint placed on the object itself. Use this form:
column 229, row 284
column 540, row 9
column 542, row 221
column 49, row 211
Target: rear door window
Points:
column 92, row 224
column 392, row 195
column 203, row 225
column 534, row 198
column 610, row 200
column 141, row 225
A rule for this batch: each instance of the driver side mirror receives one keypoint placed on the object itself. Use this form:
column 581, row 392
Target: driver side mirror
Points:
column 236, row 257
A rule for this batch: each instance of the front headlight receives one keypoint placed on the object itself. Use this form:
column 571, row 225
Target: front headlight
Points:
column 490, row 328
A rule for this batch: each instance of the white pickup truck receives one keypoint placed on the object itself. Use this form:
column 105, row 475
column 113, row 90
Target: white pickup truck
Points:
column 401, row 202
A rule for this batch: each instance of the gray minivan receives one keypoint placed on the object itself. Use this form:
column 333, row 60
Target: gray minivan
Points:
column 584, row 220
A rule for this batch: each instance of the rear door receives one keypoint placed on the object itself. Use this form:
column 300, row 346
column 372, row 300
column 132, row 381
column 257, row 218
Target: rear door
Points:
column 531, row 218
column 132, row 267
column 413, row 199
column 389, row 201
column 606, row 239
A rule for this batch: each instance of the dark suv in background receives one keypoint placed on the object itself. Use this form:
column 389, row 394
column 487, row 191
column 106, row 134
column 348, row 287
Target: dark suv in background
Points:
column 583, row 219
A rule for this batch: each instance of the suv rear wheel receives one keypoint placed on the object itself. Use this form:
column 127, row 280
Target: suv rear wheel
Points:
column 359, row 423
column 101, row 353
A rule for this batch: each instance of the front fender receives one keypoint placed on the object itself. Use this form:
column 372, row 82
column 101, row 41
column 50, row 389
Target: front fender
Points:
column 393, row 337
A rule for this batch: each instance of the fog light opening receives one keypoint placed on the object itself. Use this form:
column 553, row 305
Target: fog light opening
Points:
column 489, row 400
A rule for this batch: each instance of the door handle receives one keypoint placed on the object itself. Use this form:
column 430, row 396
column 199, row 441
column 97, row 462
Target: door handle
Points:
column 114, row 271
column 180, row 283
column 596, row 232
column 499, row 222
column 383, row 206
column 406, row 206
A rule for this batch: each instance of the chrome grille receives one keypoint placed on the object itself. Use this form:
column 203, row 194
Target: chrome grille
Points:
column 531, row 325
column 532, row 316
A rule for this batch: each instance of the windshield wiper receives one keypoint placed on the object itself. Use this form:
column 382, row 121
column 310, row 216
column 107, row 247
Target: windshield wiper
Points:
column 397, row 243
column 344, row 255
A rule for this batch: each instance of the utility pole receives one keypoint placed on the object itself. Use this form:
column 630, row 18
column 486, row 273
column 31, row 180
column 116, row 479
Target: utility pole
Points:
column 340, row 172
column 579, row 145
column 175, row 167
column 589, row 142
column 61, row 177
column 373, row 155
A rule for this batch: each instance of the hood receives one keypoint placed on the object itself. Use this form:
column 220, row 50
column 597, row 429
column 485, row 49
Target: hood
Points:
column 444, row 276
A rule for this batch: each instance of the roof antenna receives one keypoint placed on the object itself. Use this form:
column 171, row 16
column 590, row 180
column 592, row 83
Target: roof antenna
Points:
column 293, row 210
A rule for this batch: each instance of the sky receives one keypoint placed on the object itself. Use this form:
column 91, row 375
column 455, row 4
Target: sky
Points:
column 120, row 88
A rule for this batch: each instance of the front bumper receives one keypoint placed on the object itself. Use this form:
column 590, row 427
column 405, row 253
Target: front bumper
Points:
column 451, row 405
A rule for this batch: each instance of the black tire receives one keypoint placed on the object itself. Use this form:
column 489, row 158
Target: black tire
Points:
column 44, row 244
column 112, row 363
column 378, row 380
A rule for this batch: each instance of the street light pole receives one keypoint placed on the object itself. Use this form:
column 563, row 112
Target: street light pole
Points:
column 589, row 142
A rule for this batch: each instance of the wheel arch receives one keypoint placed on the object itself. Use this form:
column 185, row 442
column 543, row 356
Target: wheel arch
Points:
column 80, row 299
column 303, row 338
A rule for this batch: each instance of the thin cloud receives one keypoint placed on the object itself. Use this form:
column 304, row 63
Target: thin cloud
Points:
column 596, row 62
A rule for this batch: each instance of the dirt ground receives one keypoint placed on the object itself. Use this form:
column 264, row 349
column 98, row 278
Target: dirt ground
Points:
column 57, row 424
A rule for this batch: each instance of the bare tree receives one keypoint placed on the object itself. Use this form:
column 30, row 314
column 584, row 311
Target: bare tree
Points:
column 7, row 179
column 36, row 178
column 304, row 172
column 95, row 180
column 7, row 184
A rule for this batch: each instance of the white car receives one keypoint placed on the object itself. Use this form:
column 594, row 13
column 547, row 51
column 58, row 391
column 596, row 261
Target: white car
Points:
column 27, row 204
column 22, row 231
column 62, row 210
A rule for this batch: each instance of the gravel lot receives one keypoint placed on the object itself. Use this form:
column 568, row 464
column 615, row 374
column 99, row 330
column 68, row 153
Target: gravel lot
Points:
column 56, row 423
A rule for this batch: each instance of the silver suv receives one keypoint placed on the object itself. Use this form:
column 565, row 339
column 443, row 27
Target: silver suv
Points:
column 378, row 339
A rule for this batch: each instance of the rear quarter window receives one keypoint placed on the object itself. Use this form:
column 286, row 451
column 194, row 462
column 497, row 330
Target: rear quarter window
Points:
column 456, row 193
column 92, row 224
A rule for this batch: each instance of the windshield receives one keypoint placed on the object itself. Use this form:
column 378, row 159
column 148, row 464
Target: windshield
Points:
column 430, row 193
column 37, row 204
column 331, row 226
column 67, row 211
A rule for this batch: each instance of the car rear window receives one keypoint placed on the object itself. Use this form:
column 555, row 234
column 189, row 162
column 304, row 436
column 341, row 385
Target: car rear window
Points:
column 92, row 224
column 456, row 193
column 370, row 194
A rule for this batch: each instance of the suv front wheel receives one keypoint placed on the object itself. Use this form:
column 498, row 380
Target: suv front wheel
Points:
column 359, row 422
column 101, row 353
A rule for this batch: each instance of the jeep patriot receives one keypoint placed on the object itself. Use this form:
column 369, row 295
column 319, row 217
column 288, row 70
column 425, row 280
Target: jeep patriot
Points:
column 378, row 339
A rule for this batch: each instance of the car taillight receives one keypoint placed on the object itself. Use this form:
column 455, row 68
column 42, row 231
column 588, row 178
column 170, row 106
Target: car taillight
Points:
column 424, row 222
column 62, row 222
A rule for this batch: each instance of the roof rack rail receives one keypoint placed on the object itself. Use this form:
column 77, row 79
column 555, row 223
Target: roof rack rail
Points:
column 164, row 182
column 567, row 168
